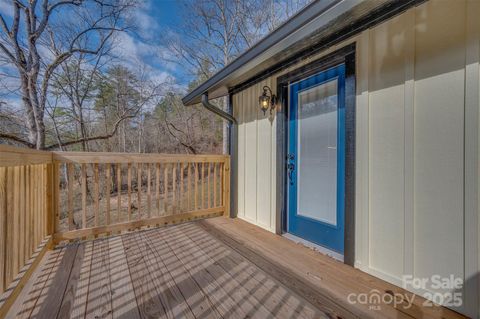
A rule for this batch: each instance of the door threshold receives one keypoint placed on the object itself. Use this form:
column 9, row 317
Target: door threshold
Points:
column 320, row 249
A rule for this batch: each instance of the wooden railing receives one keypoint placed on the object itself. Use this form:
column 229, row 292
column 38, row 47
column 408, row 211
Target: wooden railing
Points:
column 102, row 193
column 26, row 201
column 47, row 197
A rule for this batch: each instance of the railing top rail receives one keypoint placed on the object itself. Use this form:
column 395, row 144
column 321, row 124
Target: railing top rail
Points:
column 100, row 157
column 16, row 156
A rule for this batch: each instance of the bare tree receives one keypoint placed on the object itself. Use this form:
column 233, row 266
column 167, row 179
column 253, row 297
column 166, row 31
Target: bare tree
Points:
column 215, row 32
column 211, row 38
column 179, row 124
column 121, row 99
column 86, row 27
column 75, row 95
column 77, row 80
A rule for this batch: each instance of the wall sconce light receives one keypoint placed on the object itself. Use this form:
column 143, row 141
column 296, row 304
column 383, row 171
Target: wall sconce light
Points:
column 267, row 100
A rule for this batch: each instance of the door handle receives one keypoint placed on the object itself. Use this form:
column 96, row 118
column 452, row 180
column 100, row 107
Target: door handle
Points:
column 291, row 170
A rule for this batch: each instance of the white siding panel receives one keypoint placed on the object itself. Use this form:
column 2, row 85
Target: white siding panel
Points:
column 239, row 113
column 264, row 151
column 250, row 156
column 439, row 139
column 386, row 87
column 472, row 106
column 362, row 156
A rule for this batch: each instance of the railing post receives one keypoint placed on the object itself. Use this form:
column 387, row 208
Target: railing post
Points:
column 226, row 187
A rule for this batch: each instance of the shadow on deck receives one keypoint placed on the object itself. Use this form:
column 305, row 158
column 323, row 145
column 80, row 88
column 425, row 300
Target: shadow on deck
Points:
column 215, row 268
column 172, row 272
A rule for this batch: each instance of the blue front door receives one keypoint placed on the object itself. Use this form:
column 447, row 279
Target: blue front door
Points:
column 316, row 159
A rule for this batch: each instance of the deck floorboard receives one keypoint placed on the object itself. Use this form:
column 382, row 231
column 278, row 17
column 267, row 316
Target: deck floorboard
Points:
column 196, row 299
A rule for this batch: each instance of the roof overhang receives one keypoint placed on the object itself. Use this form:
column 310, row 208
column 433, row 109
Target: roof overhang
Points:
column 319, row 21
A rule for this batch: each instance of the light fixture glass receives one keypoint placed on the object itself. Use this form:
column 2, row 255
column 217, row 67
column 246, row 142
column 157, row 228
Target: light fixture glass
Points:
column 267, row 100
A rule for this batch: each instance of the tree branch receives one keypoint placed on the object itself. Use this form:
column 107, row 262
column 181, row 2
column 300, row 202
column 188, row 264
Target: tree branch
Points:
column 8, row 53
column 93, row 138
column 17, row 139
column 3, row 24
column 46, row 12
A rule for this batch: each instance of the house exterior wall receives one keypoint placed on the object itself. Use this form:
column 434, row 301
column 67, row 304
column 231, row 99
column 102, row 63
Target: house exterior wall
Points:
column 417, row 147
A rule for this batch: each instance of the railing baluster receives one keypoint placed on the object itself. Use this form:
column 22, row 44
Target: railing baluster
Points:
column 43, row 218
column 196, row 187
column 108, row 181
column 189, row 186
column 21, row 244
column 129, row 191
column 119, row 191
column 28, row 203
column 9, row 273
column 28, row 212
column 139, row 189
column 157, row 188
column 174, row 187
column 96, row 192
column 40, row 201
column 56, row 195
column 214, row 184
column 222, row 173
column 165, row 189
column 39, row 197
column 84, row 196
column 203, row 186
column 44, row 207
column 208, row 185
column 182, row 170
column 226, row 188
column 70, row 194
column 35, row 200
column 16, row 219
column 149, row 195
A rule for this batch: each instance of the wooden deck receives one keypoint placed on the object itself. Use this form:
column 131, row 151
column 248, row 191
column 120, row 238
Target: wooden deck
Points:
column 173, row 272
column 215, row 268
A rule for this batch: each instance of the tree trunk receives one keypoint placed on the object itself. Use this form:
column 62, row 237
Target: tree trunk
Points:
column 30, row 117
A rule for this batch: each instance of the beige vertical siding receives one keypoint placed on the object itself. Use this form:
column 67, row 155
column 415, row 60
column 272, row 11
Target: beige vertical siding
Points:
column 417, row 170
column 439, row 141
column 256, row 169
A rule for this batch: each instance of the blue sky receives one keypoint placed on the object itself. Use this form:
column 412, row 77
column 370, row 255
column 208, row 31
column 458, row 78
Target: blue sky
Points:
column 144, row 46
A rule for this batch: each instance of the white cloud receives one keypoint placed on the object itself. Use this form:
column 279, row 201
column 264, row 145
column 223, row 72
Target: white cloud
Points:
column 145, row 23
column 160, row 76
column 133, row 53
column 125, row 47
column 147, row 26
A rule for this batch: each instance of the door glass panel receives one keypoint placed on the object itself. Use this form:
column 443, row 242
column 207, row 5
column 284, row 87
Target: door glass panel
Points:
column 317, row 153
